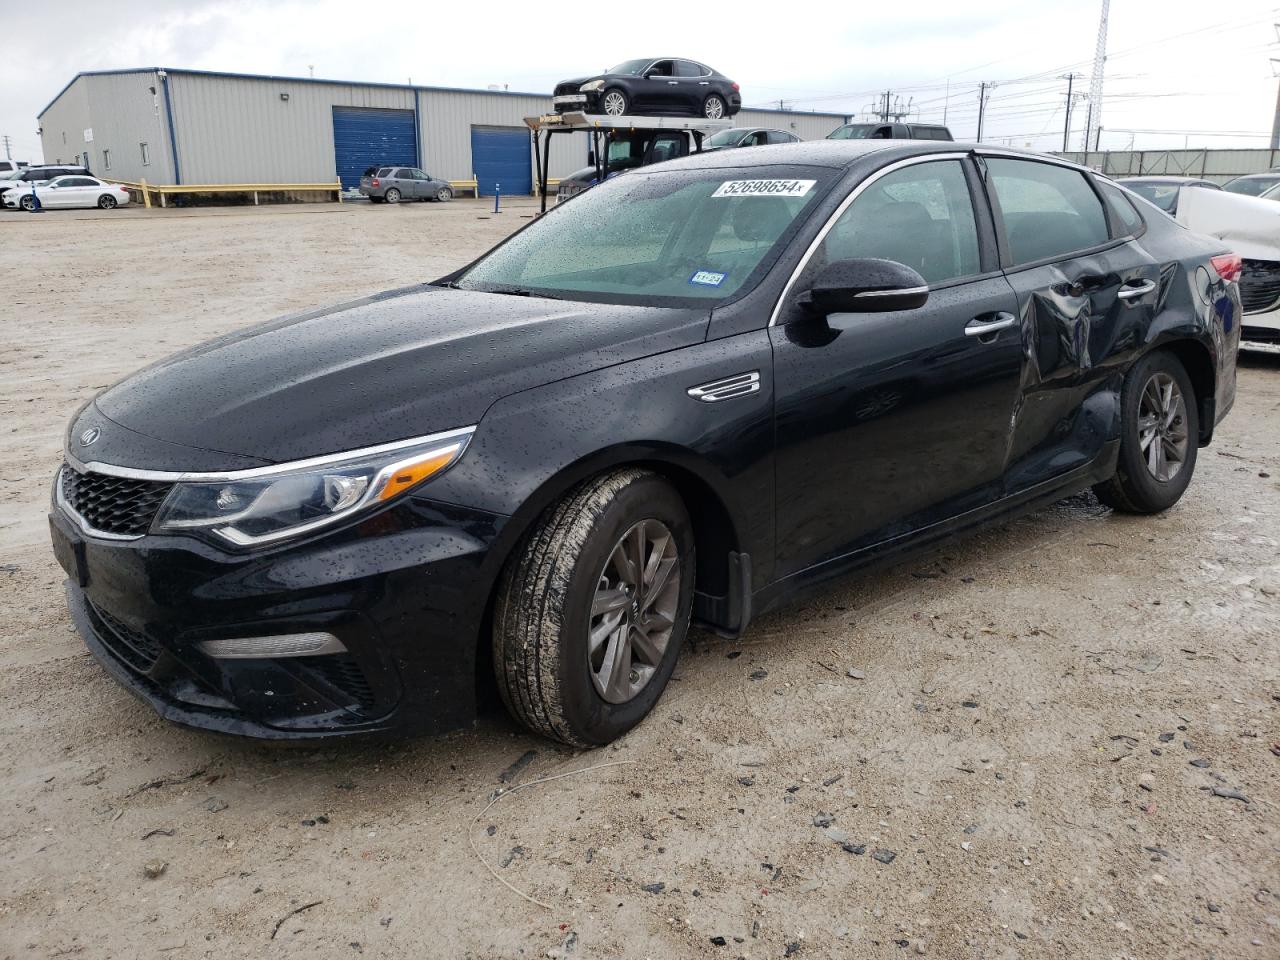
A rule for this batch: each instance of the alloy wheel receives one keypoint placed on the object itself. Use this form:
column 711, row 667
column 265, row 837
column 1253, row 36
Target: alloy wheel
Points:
column 444, row 195
column 392, row 196
column 633, row 612
column 1162, row 426
column 714, row 108
column 615, row 104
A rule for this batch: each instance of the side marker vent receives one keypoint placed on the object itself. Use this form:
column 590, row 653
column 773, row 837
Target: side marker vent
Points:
column 728, row 388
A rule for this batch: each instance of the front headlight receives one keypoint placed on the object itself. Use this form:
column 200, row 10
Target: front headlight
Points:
column 591, row 86
column 261, row 506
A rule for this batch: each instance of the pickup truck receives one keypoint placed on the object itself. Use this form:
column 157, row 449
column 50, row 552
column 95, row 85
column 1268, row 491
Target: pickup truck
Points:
column 890, row 131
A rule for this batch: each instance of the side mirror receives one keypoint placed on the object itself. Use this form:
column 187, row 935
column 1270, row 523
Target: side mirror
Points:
column 865, row 286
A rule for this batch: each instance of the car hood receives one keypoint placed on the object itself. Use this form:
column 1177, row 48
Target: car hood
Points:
column 402, row 364
column 1250, row 226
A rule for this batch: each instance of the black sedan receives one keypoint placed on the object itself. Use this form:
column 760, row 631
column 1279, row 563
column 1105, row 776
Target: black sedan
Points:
column 656, row 87
column 684, row 397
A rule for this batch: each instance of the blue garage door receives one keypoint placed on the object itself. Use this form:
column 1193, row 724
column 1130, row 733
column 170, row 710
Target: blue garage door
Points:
column 501, row 155
column 365, row 137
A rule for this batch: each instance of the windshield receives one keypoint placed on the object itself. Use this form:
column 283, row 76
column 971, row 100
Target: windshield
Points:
column 677, row 238
column 632, row 67
column 1252, row 187
column 725, row 138
column 854, row 131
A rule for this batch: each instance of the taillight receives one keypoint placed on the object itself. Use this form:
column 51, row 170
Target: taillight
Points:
column 376, row 183
column 1228, row 265
column 122, row 189
column 736, row 87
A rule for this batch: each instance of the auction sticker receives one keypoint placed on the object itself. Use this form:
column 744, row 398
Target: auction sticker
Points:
column 764, row 188
column 708, row 278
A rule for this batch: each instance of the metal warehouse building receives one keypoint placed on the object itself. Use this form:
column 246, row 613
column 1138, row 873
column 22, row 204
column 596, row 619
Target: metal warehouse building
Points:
column 172, row 126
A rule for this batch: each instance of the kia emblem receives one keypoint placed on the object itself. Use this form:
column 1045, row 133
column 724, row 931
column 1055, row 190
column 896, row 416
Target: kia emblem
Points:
column 90, row 436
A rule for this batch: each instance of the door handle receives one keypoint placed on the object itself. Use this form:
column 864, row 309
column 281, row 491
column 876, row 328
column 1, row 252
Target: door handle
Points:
column 704, row 83
column 1132, row 290
column 672, row 83
column 989, row 323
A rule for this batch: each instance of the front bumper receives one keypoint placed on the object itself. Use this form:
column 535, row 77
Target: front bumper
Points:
column 405, row 591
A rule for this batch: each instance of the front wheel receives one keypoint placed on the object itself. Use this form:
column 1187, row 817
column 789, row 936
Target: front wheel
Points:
column 1159, row 437
column 615, row 103
column 713, row 108
column 392, row 195
column 27, row 203
column 592, row 612
column 444, row 194
column 106, row 202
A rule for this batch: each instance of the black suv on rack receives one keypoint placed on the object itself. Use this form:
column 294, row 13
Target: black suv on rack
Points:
column 667, row 87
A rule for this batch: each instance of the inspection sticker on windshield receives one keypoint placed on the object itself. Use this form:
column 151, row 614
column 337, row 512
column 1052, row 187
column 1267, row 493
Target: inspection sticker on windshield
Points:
column 764, row 188
column 708, row 278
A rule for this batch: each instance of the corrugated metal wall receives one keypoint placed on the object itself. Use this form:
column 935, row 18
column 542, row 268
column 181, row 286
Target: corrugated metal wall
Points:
column 806, row 126
column 240, row 129
column 62, row 126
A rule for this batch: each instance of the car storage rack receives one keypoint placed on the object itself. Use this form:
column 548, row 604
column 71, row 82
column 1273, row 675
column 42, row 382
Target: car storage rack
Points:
column 600, row 127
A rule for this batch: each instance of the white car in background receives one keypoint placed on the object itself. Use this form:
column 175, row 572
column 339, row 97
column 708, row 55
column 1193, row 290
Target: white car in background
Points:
column 75, row 190
column 1251, row 227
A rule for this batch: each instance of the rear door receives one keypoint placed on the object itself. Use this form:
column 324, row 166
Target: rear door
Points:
column 889, row 422
column 1085, row 293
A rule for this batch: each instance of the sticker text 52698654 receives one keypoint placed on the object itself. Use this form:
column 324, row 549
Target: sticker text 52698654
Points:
column 764, row 188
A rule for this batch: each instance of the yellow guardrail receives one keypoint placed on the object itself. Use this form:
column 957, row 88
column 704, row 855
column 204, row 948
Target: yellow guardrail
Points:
column 473, row 185
column 163, row 191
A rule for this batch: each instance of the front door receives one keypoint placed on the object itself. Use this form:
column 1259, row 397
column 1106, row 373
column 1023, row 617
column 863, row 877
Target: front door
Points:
column 659, row 92
column 887, row 422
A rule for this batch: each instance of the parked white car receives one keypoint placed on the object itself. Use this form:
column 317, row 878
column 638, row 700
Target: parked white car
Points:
column 68, row 191
column 1251, row 227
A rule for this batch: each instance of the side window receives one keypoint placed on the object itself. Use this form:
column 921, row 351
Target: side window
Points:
column 687, row 68
column 1131, row 223
column 665, row 148
column 1049, row 211
column 145, row 150
column 663, row 68
column 106, row 159
column 401, row 174
column 779, row 136
column 921, row 215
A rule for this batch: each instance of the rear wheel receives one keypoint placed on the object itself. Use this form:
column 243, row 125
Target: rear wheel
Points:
column 614, row 103
column 107, row 202
column 1160, row 430
column 713, row 108
column 392, row 196
column 592, row 613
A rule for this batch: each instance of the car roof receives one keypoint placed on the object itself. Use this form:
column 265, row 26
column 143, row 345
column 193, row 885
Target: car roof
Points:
column 844, row 153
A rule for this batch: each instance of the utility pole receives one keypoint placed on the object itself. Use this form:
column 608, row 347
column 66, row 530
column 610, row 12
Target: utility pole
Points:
column 1275, row 124
column 1099, row 71
column 884, row 106
column 1066, row 127
column 982, row 106
column 8, row 155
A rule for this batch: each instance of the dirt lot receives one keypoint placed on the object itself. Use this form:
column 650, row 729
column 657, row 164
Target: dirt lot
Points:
column 1021, row 765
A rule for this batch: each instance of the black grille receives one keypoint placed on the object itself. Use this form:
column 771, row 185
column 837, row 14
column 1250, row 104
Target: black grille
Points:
column 344, row 674
column 113, row 504
column 128, row 645
column 1260, row 285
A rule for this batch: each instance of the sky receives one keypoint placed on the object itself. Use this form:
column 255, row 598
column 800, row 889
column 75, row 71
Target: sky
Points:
column 1179, row 72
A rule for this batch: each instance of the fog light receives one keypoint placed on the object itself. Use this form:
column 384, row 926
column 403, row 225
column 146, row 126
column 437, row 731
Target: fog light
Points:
column 283, row 645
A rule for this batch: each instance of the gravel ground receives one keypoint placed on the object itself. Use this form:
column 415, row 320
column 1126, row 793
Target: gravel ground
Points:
column 1005, row 749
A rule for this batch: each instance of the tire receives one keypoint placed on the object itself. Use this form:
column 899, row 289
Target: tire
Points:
column 392, row 195
column 714, row 107
column 106, row 202
column 1151, row 478
column 444, row 194
column 27, row 203
column 615, row 103
column 548, row 674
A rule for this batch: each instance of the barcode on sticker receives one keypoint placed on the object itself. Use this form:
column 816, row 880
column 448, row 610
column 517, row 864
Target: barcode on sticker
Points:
column 764, row 188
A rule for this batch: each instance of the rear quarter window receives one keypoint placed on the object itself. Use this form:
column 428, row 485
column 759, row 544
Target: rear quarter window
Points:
column 1122, row 209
